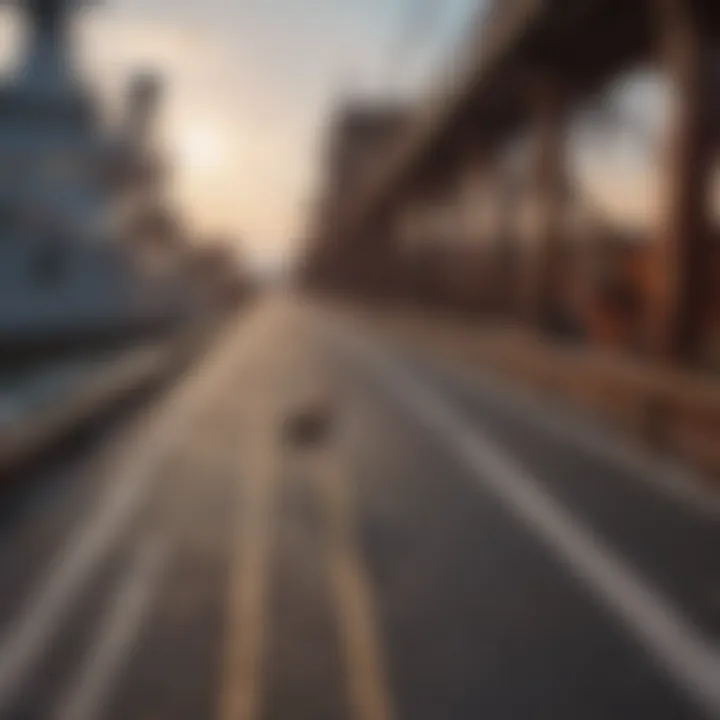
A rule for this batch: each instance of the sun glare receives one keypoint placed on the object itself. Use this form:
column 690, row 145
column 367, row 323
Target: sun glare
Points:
column 200, row 148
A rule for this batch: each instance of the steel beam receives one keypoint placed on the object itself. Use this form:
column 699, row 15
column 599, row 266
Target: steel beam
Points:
column 541, row 266
column 678, row 287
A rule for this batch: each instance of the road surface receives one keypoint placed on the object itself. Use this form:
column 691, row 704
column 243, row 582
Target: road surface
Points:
column 318, row 524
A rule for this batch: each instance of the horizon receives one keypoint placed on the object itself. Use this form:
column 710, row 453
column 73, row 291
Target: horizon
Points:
column 249, row 90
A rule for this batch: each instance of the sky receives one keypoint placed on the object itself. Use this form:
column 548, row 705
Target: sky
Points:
column 250, row 85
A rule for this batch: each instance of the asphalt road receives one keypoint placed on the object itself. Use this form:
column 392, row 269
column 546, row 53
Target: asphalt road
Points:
column 316, row 523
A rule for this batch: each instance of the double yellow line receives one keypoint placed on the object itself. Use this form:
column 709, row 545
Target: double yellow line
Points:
column 348, row 582
column 250, row 575
column 356, row 616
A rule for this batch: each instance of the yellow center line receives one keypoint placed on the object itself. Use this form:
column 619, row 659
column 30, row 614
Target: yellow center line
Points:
column 356, row 616
column 241, row 695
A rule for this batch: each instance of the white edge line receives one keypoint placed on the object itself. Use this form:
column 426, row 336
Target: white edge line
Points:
column 115, row 638
column 28, row 636
column 675, row 482
column 668, row 637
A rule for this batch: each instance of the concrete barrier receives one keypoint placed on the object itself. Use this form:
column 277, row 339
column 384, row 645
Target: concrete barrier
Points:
column 131, row 371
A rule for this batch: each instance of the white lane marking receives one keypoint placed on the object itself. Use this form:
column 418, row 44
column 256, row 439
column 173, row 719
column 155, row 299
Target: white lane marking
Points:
column 673, row 481
column 117, row 636
column 665, row 633
column 29, row 635
column 357, row 620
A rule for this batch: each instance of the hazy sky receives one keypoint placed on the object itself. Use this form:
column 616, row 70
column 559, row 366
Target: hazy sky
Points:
column 250, row 84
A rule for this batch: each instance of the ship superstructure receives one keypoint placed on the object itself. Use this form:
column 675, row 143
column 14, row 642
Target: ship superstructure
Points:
column 77, row 199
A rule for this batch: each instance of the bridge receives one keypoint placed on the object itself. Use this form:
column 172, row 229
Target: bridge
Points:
column 527, row 65
column 377, row 501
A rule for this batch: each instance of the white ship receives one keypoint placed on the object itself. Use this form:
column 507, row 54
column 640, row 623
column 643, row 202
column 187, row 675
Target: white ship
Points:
column 87, row 253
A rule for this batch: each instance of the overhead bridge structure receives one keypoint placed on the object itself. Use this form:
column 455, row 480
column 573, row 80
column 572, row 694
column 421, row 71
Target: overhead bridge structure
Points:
column 526, row 68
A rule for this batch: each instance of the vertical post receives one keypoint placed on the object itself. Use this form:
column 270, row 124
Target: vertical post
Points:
column 432, row 195
column 393, row 261
column 380, row 264
column 506, row 266
column 548, row 179
column 476, row 175
column 678, row 280
column 371, row 260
